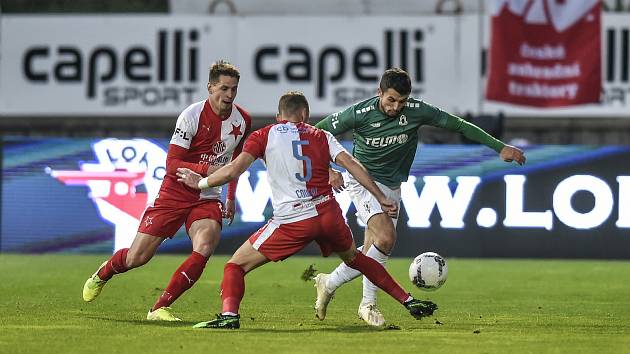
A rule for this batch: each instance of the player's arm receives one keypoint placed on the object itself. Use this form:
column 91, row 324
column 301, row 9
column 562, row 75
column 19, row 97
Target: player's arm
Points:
column 358, row 171
column 230, row 200
column 507, row 152
column 453, row 123
column 221, row 176
column 253, row 148
column 175, row 160
column 340, row 122
column 231, row 192
column 336, row 124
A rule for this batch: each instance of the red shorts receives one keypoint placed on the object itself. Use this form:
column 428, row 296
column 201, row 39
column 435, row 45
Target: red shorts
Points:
column 280, row 241
column 164, row 218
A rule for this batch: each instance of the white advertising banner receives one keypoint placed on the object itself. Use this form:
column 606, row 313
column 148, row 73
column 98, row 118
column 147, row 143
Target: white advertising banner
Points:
column 157, row 65
column 153, row 65
column 338, row 61
column 106, row 65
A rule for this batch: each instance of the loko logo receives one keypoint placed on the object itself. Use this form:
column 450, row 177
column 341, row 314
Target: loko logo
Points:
column 127, row 175
column 561, row 14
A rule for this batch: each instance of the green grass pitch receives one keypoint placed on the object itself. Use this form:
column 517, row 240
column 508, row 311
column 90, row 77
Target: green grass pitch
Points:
column 486, row 306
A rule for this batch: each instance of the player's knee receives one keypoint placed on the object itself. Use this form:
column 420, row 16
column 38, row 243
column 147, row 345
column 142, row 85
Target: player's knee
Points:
column 205, row 240
column 386, row 241
column 348, row 256
column 348, row 259
column 137, row 259
column 205, row 248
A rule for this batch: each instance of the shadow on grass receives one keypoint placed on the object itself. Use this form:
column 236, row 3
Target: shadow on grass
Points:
column 350, row 328
column 344, row 329
column 141, row 322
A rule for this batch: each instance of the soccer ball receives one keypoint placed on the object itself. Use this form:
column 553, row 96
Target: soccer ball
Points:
column 428, row 271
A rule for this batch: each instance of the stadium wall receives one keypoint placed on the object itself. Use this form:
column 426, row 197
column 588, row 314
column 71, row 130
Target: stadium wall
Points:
column 85, row 195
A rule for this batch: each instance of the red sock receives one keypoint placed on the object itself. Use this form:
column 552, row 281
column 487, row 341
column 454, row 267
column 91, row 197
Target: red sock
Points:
column 232, row 287
column 116, row 264
column 379, row 276
column 183, row 279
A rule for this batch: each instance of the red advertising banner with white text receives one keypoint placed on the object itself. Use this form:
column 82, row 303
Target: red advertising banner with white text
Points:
column 545, row 53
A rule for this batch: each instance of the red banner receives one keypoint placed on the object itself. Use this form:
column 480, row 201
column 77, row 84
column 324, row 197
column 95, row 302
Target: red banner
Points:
column 545, row 53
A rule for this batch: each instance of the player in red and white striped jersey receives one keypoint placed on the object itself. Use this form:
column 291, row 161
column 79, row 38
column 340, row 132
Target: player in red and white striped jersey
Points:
column 297, row 156
column 208, row 135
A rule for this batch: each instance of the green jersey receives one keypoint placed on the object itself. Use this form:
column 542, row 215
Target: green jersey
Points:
column 385, row 145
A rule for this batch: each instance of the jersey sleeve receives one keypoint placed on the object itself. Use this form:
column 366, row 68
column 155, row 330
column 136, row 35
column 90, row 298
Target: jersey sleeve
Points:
column 334, row 147
column 438, row 118
column 256, row 143
column 175, row 159
column 185, row 129
column 474, row 133
column 340, row 122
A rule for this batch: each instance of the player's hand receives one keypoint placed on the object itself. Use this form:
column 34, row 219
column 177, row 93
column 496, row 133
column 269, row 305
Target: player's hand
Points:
column 188, row 177
column 390, row 207
column 230, row 210
column 511, row 153
column 335, row 179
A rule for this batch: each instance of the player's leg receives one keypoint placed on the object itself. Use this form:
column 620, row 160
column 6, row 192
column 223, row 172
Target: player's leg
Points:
column 378, row 275
column 204, row 235
column 361, row 200
column 374, row 271
column 335, row 237
column 244, row 260
column 204, row 228
column 380, row 239
column 272, row 242
column 380, row 231
column 338, row 238
column 141, row 251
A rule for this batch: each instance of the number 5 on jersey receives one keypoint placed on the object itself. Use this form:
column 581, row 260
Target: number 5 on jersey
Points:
column 307, row 161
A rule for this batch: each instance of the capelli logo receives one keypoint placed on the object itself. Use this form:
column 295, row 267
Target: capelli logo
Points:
column 173, row 59
column 332, row 63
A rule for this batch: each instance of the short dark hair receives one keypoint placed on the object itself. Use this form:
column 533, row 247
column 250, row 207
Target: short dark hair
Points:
column 397, row 79
column 222, row 67
column 291, row 103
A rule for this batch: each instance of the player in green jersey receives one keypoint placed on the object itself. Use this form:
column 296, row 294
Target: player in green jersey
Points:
column 385, row 133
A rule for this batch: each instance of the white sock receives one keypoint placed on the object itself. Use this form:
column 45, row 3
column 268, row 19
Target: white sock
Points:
column 341, row 275
column 369, row 289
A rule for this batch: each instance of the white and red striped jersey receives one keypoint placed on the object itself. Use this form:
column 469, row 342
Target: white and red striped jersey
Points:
column 202, row 138
column 297, row 157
